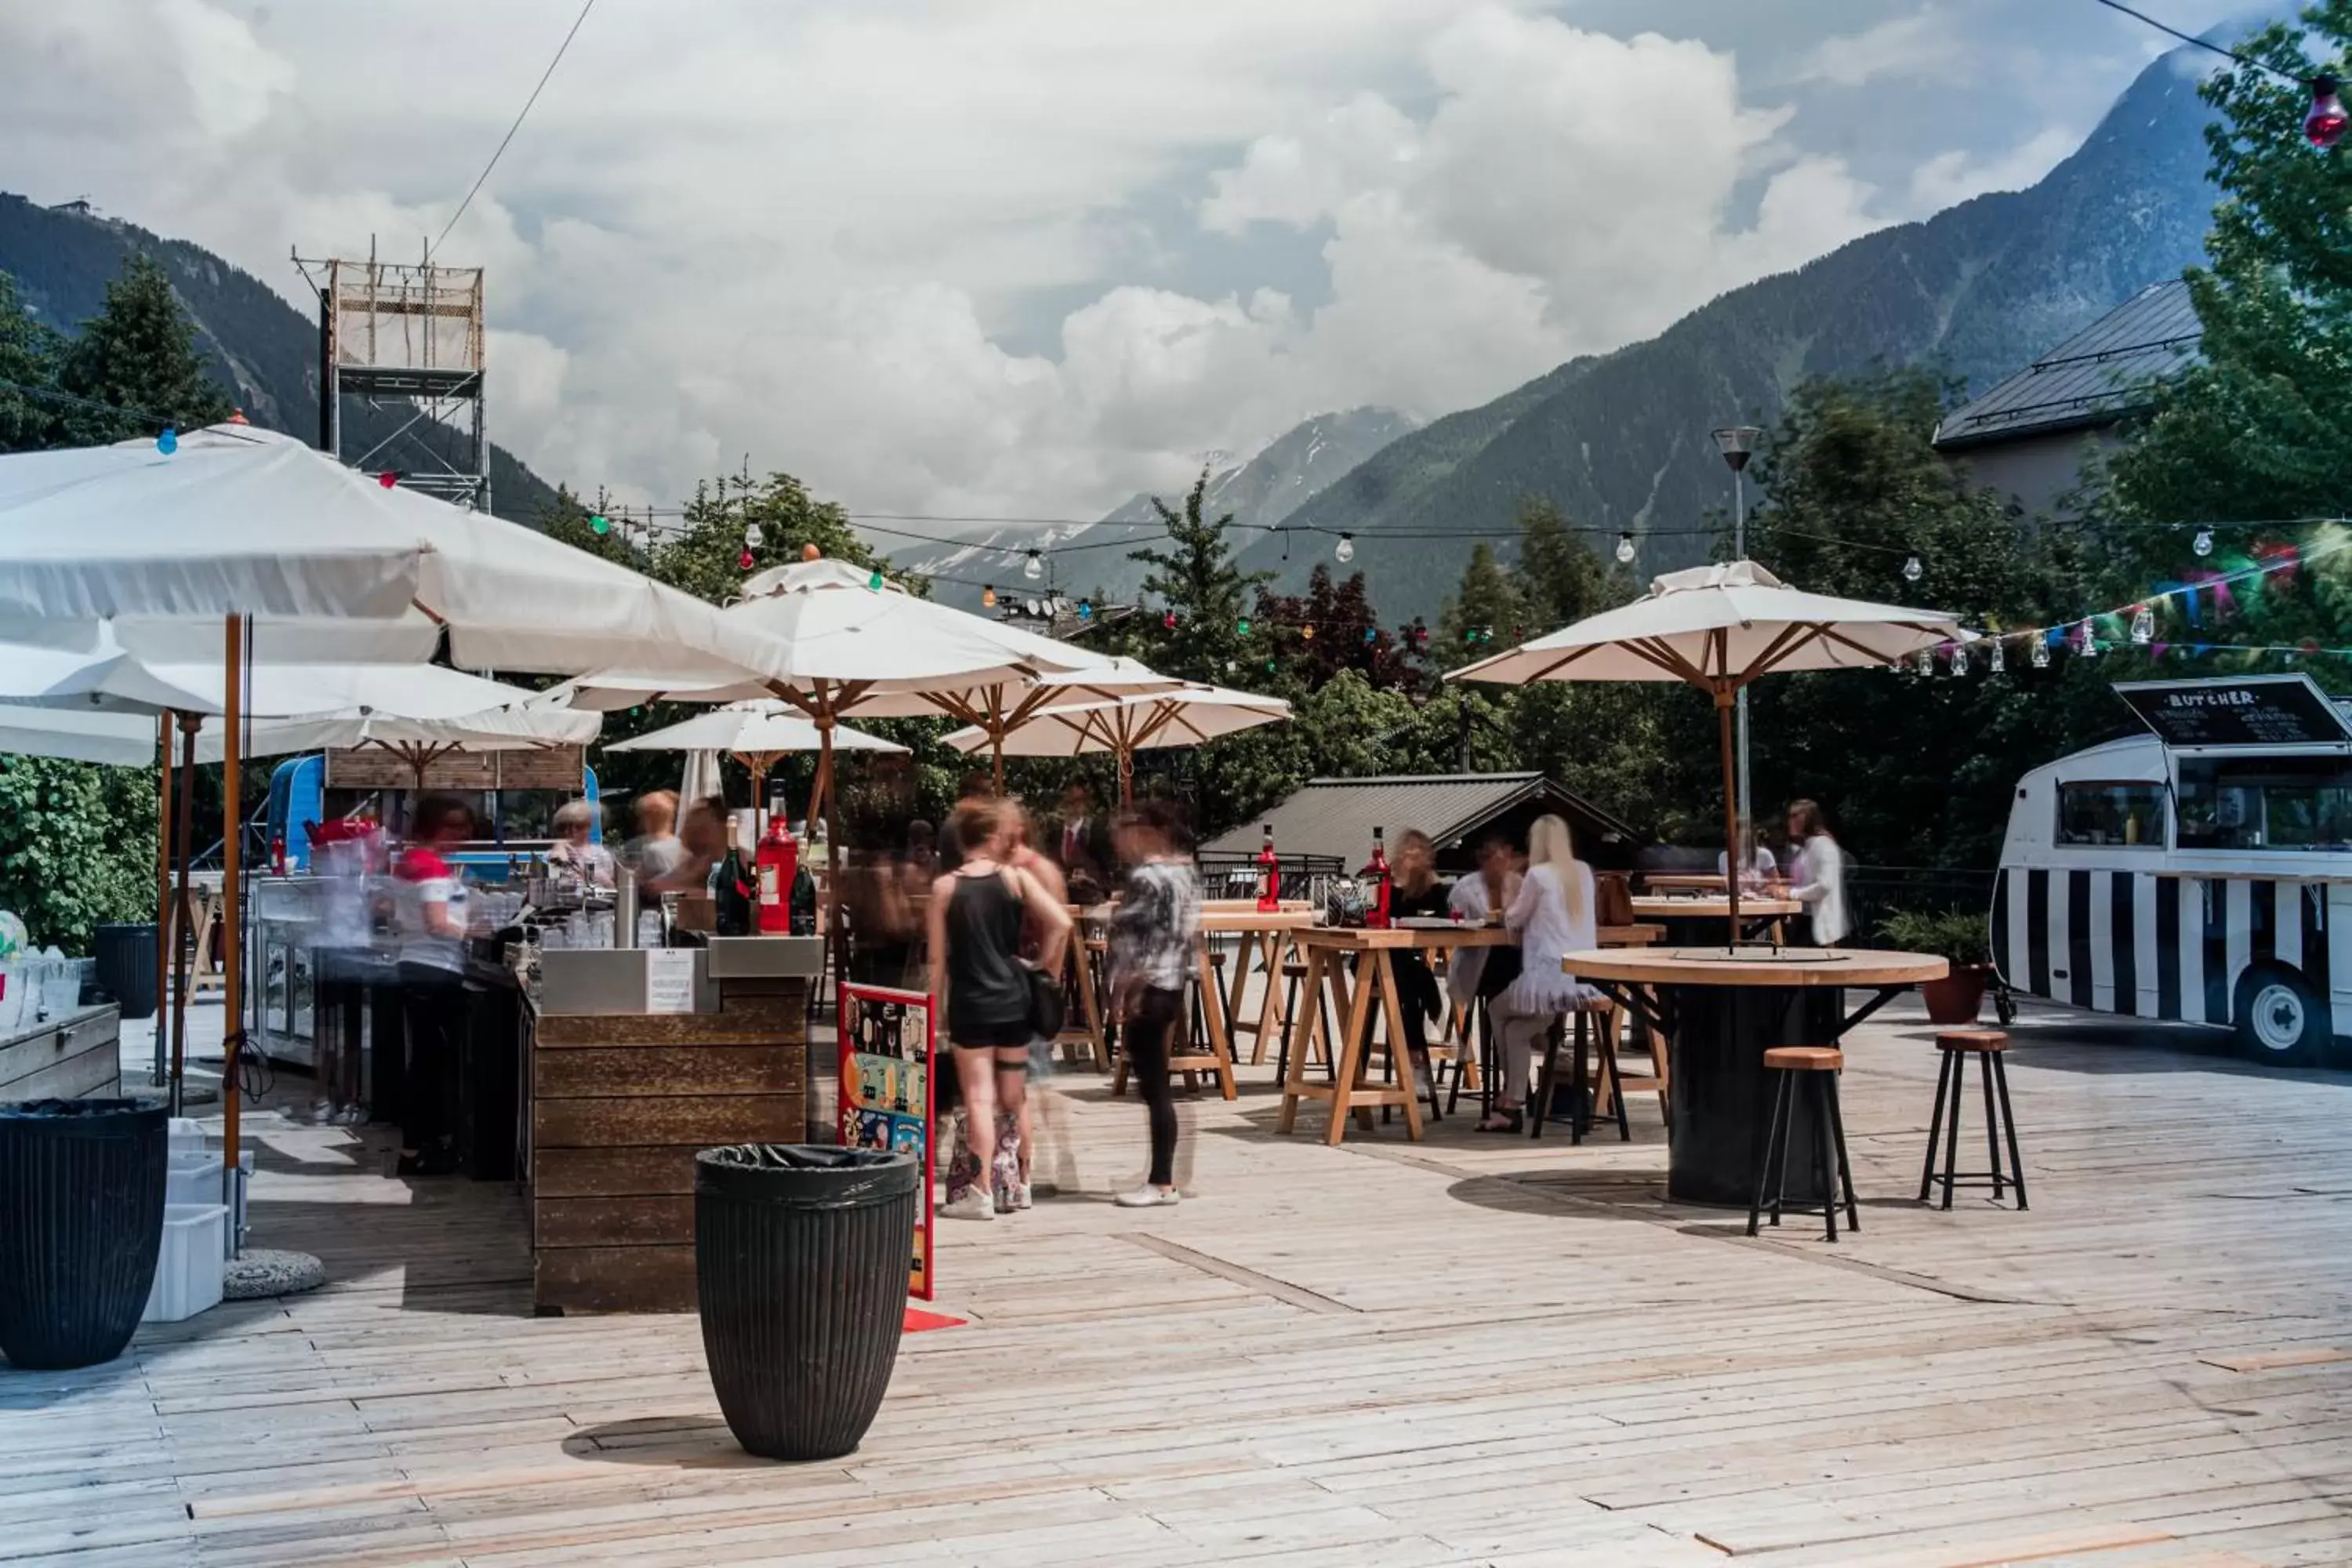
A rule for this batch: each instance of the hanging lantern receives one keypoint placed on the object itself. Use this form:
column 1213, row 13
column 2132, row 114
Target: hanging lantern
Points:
column 1927, row 662
column 1959, row 658
column 2324, row 126
column 2143, row 625
column 1346, row 549
column 988, row 597
column 2041, row 656
column 1996, row 659
column 168, row 442
column 753, row 535
column 2090, row 646
column 1912, row 569
column 1625, row 549
column 744, row 561
column 2203, row 542
column 1034, row 567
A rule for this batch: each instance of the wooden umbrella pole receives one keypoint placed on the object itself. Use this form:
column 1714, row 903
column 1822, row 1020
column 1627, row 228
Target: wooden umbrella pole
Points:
column 1723, row 703
column 996, row 734
column 231, row 900
column 163, row 926
column 184, row 850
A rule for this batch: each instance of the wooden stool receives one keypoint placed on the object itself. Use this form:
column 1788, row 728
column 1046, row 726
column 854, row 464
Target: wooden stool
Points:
column 1294, row 971
column 1819, row 1065
column 1601, row 1014
column 1988, row 1047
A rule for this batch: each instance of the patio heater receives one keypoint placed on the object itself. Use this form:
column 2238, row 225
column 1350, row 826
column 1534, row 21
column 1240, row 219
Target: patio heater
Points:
column 1738, row 444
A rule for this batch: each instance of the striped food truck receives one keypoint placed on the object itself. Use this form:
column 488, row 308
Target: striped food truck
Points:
column 2199, row 873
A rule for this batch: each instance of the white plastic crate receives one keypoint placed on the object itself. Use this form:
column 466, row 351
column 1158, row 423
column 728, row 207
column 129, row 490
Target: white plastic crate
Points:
column 188, row 1270
column 194, row 1178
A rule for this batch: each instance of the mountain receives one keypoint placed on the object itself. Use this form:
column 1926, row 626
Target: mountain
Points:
column 1621, row 441
column 254, row 342
column 1262, row 491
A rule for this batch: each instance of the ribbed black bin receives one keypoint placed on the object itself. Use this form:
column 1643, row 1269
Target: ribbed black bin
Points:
column 801, row 1255
column 81, row 1219
column 126, row 967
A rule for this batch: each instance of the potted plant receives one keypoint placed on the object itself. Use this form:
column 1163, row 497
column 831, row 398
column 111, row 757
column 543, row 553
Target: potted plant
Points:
column 1958, row 936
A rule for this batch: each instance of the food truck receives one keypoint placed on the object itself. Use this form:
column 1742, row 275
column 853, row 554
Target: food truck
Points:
column 2198, row 873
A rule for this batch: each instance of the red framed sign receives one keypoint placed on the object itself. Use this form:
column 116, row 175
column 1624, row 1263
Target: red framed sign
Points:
column 887, row 1056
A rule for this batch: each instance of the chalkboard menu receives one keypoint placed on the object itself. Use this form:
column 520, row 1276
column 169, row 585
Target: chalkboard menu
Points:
column 2250, row 710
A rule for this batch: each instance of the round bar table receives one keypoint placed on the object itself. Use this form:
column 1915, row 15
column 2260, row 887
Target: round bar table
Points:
column 1693, row 920
column 1720, row 1010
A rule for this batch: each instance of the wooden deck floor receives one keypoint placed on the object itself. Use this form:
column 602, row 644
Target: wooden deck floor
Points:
column 1469, row 1351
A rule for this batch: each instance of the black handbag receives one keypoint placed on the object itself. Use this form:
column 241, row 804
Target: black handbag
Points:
column 1047, row 1009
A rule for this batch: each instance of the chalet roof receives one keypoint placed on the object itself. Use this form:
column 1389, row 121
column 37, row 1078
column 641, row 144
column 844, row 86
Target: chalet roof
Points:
column 1335, row 816
column 2093, row 378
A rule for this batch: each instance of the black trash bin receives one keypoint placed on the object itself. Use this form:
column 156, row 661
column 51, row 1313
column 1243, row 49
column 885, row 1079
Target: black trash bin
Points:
column 126, row 967
column 81, row 1219
column 801, row 1257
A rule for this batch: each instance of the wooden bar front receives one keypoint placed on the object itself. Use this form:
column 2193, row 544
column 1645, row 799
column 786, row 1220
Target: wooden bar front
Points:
column 620, row 1103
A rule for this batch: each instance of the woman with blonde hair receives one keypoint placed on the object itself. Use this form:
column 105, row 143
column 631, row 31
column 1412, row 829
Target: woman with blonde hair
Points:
column 1551, row 916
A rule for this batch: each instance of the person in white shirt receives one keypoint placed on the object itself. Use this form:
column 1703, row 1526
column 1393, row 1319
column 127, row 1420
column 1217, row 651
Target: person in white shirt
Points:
column 1551, row 916
column 1817, row 877
column 1489, row 888
column 1761, row 868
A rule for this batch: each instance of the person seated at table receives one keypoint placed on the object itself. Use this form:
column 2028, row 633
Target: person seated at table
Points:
column 1817, row 879
column 574, row 820
column 1551, row 917
column 1414, row 890
column 1761, row 866
column 1476, row 897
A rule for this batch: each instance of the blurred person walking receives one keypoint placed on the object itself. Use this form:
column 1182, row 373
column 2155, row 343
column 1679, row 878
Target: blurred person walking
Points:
column 1152, row 935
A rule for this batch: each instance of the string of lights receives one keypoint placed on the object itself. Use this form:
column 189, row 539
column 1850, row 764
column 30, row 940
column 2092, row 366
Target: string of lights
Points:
column 2323, row 125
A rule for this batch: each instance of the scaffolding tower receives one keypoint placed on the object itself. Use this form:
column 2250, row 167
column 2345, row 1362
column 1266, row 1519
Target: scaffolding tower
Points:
column 405, row 342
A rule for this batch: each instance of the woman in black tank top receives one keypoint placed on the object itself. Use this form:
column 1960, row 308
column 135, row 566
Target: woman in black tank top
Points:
column 976, row 918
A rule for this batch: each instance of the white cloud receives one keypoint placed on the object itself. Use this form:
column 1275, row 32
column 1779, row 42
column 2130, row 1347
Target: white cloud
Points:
column 1923, row 44
column 1951, row 177
column 798, row 233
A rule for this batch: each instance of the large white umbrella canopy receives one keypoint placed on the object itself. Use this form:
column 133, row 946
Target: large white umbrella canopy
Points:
column 77, row 735
column 1184, row 716
column 755, row 733
column 516, row 726
column 1717, row 628
column 240, row 521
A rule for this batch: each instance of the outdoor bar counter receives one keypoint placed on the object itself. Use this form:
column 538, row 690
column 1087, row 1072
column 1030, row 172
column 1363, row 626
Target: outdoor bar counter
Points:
column 639, row 1058
column 1720, row 1010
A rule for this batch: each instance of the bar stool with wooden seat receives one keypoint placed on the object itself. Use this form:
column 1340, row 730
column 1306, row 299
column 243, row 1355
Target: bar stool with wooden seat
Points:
column 1601, row 1015
column 1817, row 1066
column 1990, row 1047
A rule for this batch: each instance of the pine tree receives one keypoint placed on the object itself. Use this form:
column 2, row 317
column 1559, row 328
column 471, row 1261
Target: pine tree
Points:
column 28, row 364
column 1194, row 576
column 138, row 354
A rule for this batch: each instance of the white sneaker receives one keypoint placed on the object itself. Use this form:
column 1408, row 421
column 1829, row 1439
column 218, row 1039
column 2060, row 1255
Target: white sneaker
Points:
column 975, row 1203
column 1017, row 1196
column 1148, row 1196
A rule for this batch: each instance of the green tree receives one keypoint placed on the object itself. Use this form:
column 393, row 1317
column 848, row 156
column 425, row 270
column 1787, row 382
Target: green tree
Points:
column 138, row 354
column 28, row 364
column 1560, row 577
column 77, row 846
column 1479, row 616
column 1193, row 574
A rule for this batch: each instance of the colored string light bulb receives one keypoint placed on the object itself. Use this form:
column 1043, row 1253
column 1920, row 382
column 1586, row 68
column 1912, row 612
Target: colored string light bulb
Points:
column 1034, row 567
column 875, row 582
column 387, row 479
column 1912, row 569
column 1085, row 610
column 1307, row 633
column 2203, row 542
column 988, row 597
column 1625, row 549
column 1346, row 549
column 1371, row 637
column 2142, row 627
column 753, row 536
column 1242, row 627
column 744, row 561
column 2324, row 126
column 168, row 442
column 1167, row 619
column 600, row 525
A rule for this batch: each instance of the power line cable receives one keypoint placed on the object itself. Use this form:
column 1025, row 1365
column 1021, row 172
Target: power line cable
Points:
column 2209, row 47
column 560, row 48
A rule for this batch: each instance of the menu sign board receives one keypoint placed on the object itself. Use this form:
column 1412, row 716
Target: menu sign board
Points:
column 886, row 1092
column 2246, row 711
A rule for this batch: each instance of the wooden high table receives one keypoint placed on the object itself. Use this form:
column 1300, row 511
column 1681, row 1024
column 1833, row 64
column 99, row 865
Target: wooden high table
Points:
column 1694, row 922
column 1720, row 1009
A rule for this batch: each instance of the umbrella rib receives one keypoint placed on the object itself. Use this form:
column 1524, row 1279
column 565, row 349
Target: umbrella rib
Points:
column 1793, row 637
column 1563, row 662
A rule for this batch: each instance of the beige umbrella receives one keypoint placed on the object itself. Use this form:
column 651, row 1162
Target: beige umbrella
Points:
column 1186, row 716
column 1717, row 628
column 757, row 735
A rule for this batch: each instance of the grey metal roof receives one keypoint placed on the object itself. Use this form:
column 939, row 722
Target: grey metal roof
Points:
column 1335, row 816
column 2095, row 377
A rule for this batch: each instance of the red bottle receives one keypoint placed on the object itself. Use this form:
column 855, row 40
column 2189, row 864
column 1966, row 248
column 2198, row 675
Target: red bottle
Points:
column 1379, row 871
column 1269, row 870
column 277, row 855
column 779, row 868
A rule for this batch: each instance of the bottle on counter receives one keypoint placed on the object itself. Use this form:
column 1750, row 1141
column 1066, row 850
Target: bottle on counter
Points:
column 1269, row 873
column 731, row 889
column 779, row 864
column 1379, row 872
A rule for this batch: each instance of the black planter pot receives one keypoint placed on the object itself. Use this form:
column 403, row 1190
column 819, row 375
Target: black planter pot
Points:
column 801, row 1257
column 126, row 967
column 81, row 1219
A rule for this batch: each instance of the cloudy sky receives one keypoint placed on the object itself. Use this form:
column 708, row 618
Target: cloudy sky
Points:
column 981, row 259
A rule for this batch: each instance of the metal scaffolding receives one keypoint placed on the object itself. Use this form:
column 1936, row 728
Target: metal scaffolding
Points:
column 405, row 341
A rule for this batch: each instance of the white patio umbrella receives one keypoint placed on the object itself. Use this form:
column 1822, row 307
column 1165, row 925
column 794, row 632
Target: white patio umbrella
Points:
column 1717, row 628
column 1185, row 716
column 120, row 740
column 757, row 733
